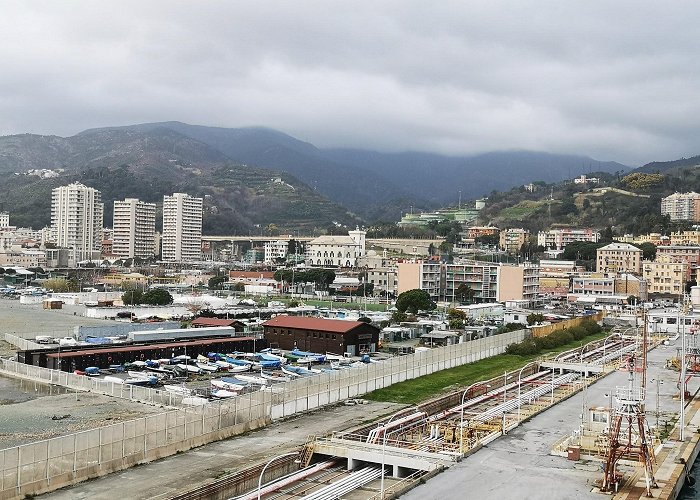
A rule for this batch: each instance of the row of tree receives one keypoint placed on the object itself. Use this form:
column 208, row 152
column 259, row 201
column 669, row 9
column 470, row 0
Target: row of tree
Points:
column 154, row 297
column 532, row 346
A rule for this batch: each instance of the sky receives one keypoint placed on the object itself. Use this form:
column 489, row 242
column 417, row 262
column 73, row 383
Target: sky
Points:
column 612, row 80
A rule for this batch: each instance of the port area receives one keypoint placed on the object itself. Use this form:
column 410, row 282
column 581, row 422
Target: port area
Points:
column 415, row 444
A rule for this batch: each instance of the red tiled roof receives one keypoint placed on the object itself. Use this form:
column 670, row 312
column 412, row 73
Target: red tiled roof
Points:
column 320, row 324
column 213, row 322
column 252, row 274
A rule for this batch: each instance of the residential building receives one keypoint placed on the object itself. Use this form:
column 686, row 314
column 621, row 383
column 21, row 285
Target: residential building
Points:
column 686, row 238
column 23, row 257
column 488, row 281
column 477, row 231
column 688, row 254
column 182, row 228
column 555, row 276
column 275, row 249
column 619, row 258
column 384, row 279
column 558, row 239
column 664, row 276
column 321, row 335
column 134, row 228
column 682, row 206
column 512, row 240
column 76, row 221
column 614, row 288
column 336, row 251
column 4, row 220
column 583, row 179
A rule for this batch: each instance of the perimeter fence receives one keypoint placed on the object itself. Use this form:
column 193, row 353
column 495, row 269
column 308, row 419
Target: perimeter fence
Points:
column 53, row 463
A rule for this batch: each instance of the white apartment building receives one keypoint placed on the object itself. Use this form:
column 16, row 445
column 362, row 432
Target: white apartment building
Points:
column 558, row 239
column 134, row 228
column 182, row 228
column 4, row 220
column 336, row 251
column 276, row 249
column 76, row 221
column 682, row 206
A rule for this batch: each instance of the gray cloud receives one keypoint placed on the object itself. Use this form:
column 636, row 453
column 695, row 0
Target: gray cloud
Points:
column 615, row 80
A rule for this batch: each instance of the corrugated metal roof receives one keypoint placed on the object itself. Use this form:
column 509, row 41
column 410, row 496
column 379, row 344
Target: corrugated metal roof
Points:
column 214, row 322
column 136, row 348
column 320, row 324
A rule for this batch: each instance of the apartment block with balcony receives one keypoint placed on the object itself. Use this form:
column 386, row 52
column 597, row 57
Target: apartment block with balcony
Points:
column 688, row 254
column 181, row 239
column 682, row 206
column 619, row 258
column 76, row 221
column 558, row 239
column 488, row 281
column 686, row 238
column 134, row 228
column 664, row 276
column 511, row 240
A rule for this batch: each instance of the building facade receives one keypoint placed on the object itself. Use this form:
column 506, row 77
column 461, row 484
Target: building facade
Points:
column 321, row 335
column 664, row 276
column 336, row 251
column 511, row 240
column 276, row 249
column 76, row 221
column 182, row 228
column 688, row 254
column 558, row 239
column 486, row 281
column 134, row 228
column 685, row 238
column 682, row 206
column 619, row 258
column 4, row 220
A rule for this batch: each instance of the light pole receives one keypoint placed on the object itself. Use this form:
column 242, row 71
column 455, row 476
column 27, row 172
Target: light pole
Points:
column 616, row 334
column 386, row 433
column 266, row 466
column 520, row 374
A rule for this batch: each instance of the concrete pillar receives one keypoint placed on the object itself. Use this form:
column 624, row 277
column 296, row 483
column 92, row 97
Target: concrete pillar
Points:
column 395, row 471
column 352, row 463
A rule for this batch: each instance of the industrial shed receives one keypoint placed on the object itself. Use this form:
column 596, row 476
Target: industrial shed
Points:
column 321, row 335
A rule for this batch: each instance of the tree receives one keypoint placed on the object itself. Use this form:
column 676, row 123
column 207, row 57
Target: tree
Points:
column 465, row 293
column 533, row 318
column 215, row 282
column 415, row 300
column 648, row 250
column 399, row 317
column 132, row 297
column 56, row 285
column 157, row 297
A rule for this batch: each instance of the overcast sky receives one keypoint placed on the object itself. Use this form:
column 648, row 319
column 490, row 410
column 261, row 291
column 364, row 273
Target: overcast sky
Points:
column 614, row 80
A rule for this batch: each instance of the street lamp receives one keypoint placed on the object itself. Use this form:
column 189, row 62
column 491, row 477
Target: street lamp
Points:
column 520, row 373
column 384, row 448
column 616, row 334
column 268, row 463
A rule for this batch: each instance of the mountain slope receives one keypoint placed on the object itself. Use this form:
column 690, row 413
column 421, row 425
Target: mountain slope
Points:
column 361, row 189
column 665, row 166
column 440, row 178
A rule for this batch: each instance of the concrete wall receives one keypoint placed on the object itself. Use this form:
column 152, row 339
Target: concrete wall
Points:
column 543, row 331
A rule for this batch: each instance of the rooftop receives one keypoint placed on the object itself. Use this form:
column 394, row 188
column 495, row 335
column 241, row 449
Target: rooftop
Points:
column 306, row 323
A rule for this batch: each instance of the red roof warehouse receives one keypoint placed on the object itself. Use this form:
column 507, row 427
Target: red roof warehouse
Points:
column 321, row 335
